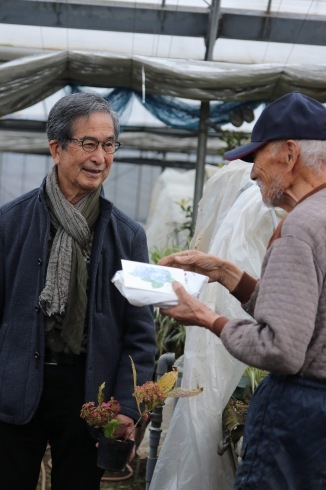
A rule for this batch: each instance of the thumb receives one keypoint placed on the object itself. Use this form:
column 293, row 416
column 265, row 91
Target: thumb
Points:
column 178, row 289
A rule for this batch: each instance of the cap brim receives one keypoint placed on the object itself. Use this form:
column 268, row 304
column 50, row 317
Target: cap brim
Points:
column 244, row 152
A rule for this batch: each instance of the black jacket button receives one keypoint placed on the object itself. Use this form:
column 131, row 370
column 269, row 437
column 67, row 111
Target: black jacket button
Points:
column 36, row 355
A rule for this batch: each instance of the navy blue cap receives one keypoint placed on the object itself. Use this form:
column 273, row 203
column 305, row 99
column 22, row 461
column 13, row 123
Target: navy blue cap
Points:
column 292, row 116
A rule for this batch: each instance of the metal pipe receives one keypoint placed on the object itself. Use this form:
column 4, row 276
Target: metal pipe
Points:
column 211, row 36
column 154, row 441
column 164, row 364
column 213, row 29
column 201, row 157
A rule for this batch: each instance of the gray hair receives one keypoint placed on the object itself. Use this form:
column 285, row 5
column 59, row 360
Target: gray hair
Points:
column 312, row 152
column 72, row 107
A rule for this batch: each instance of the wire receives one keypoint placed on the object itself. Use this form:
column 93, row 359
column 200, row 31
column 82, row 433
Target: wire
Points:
column 133, row 30
column 268, row 11
column 293, row 45
column 172, row 37
column 43, row 51
column 299, row 32
column 67, row 29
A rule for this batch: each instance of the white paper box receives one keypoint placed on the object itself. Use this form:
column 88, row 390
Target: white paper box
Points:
column 148, row 284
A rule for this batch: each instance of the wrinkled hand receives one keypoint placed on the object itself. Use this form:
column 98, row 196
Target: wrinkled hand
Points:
column 189, row 310
column 217, row 269
column 125, row 430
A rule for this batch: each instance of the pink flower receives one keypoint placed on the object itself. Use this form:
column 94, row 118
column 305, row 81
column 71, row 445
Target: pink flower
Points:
column 150, row 394
column 102, row 414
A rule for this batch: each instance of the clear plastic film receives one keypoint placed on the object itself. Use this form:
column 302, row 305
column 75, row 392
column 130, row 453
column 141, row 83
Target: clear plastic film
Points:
column 233, row 223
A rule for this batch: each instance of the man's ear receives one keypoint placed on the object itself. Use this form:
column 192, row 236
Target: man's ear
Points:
column 292, row 153
column 55, row 150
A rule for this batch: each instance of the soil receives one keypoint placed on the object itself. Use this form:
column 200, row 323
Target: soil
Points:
column 136, row 480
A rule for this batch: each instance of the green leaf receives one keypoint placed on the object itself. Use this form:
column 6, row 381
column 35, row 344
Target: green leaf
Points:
column 111, row 427
column 255, row 375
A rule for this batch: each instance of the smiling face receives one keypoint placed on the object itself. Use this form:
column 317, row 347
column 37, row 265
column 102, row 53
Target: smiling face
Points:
column 79, row 172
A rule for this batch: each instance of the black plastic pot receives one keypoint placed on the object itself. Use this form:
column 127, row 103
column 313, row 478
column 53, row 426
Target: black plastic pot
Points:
column 113, row 454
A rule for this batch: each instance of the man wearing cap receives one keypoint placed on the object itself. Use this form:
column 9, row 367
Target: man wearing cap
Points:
column 285, row 432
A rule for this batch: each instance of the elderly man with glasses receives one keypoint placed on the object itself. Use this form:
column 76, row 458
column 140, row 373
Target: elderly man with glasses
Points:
column 64, row 328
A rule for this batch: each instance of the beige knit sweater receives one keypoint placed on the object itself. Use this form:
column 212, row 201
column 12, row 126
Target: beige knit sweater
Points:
column 287, row 334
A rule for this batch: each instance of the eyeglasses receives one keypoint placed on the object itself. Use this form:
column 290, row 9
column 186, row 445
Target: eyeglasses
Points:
column 91, row 144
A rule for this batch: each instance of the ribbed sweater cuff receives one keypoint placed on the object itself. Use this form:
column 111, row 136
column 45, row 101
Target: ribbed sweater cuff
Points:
column 218, row 325
column 244, row 289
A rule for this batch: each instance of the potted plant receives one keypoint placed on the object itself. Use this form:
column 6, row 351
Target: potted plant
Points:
column 113, row 450
column 235, row 412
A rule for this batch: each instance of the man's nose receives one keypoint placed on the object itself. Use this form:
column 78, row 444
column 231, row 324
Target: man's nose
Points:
column 98, row 155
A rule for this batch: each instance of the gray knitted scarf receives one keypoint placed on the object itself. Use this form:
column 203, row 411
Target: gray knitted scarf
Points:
column 64, row 297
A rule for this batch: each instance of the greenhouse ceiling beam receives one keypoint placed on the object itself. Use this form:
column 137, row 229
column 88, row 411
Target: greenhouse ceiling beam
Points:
column 273, row 27
column 152, row 162
column 157, row 162
column 17, row 124
column 145, row 19
column 30, row 137
column 252, row 25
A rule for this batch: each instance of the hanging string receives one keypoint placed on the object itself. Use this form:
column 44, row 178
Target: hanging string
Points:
column 143, row 87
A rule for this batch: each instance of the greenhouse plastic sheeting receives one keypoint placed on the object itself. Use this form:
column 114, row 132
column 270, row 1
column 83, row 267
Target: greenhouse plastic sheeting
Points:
column 33, row 142
column 165, row 216
column 26, row 81
column 233, row 223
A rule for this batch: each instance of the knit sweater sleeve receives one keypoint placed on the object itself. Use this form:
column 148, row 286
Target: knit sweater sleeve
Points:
column 285, row 311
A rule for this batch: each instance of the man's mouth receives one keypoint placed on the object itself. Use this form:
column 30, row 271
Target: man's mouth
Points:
column 92, row 171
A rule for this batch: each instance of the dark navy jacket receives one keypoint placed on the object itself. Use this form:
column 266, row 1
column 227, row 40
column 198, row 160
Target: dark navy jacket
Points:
column 116, row 329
